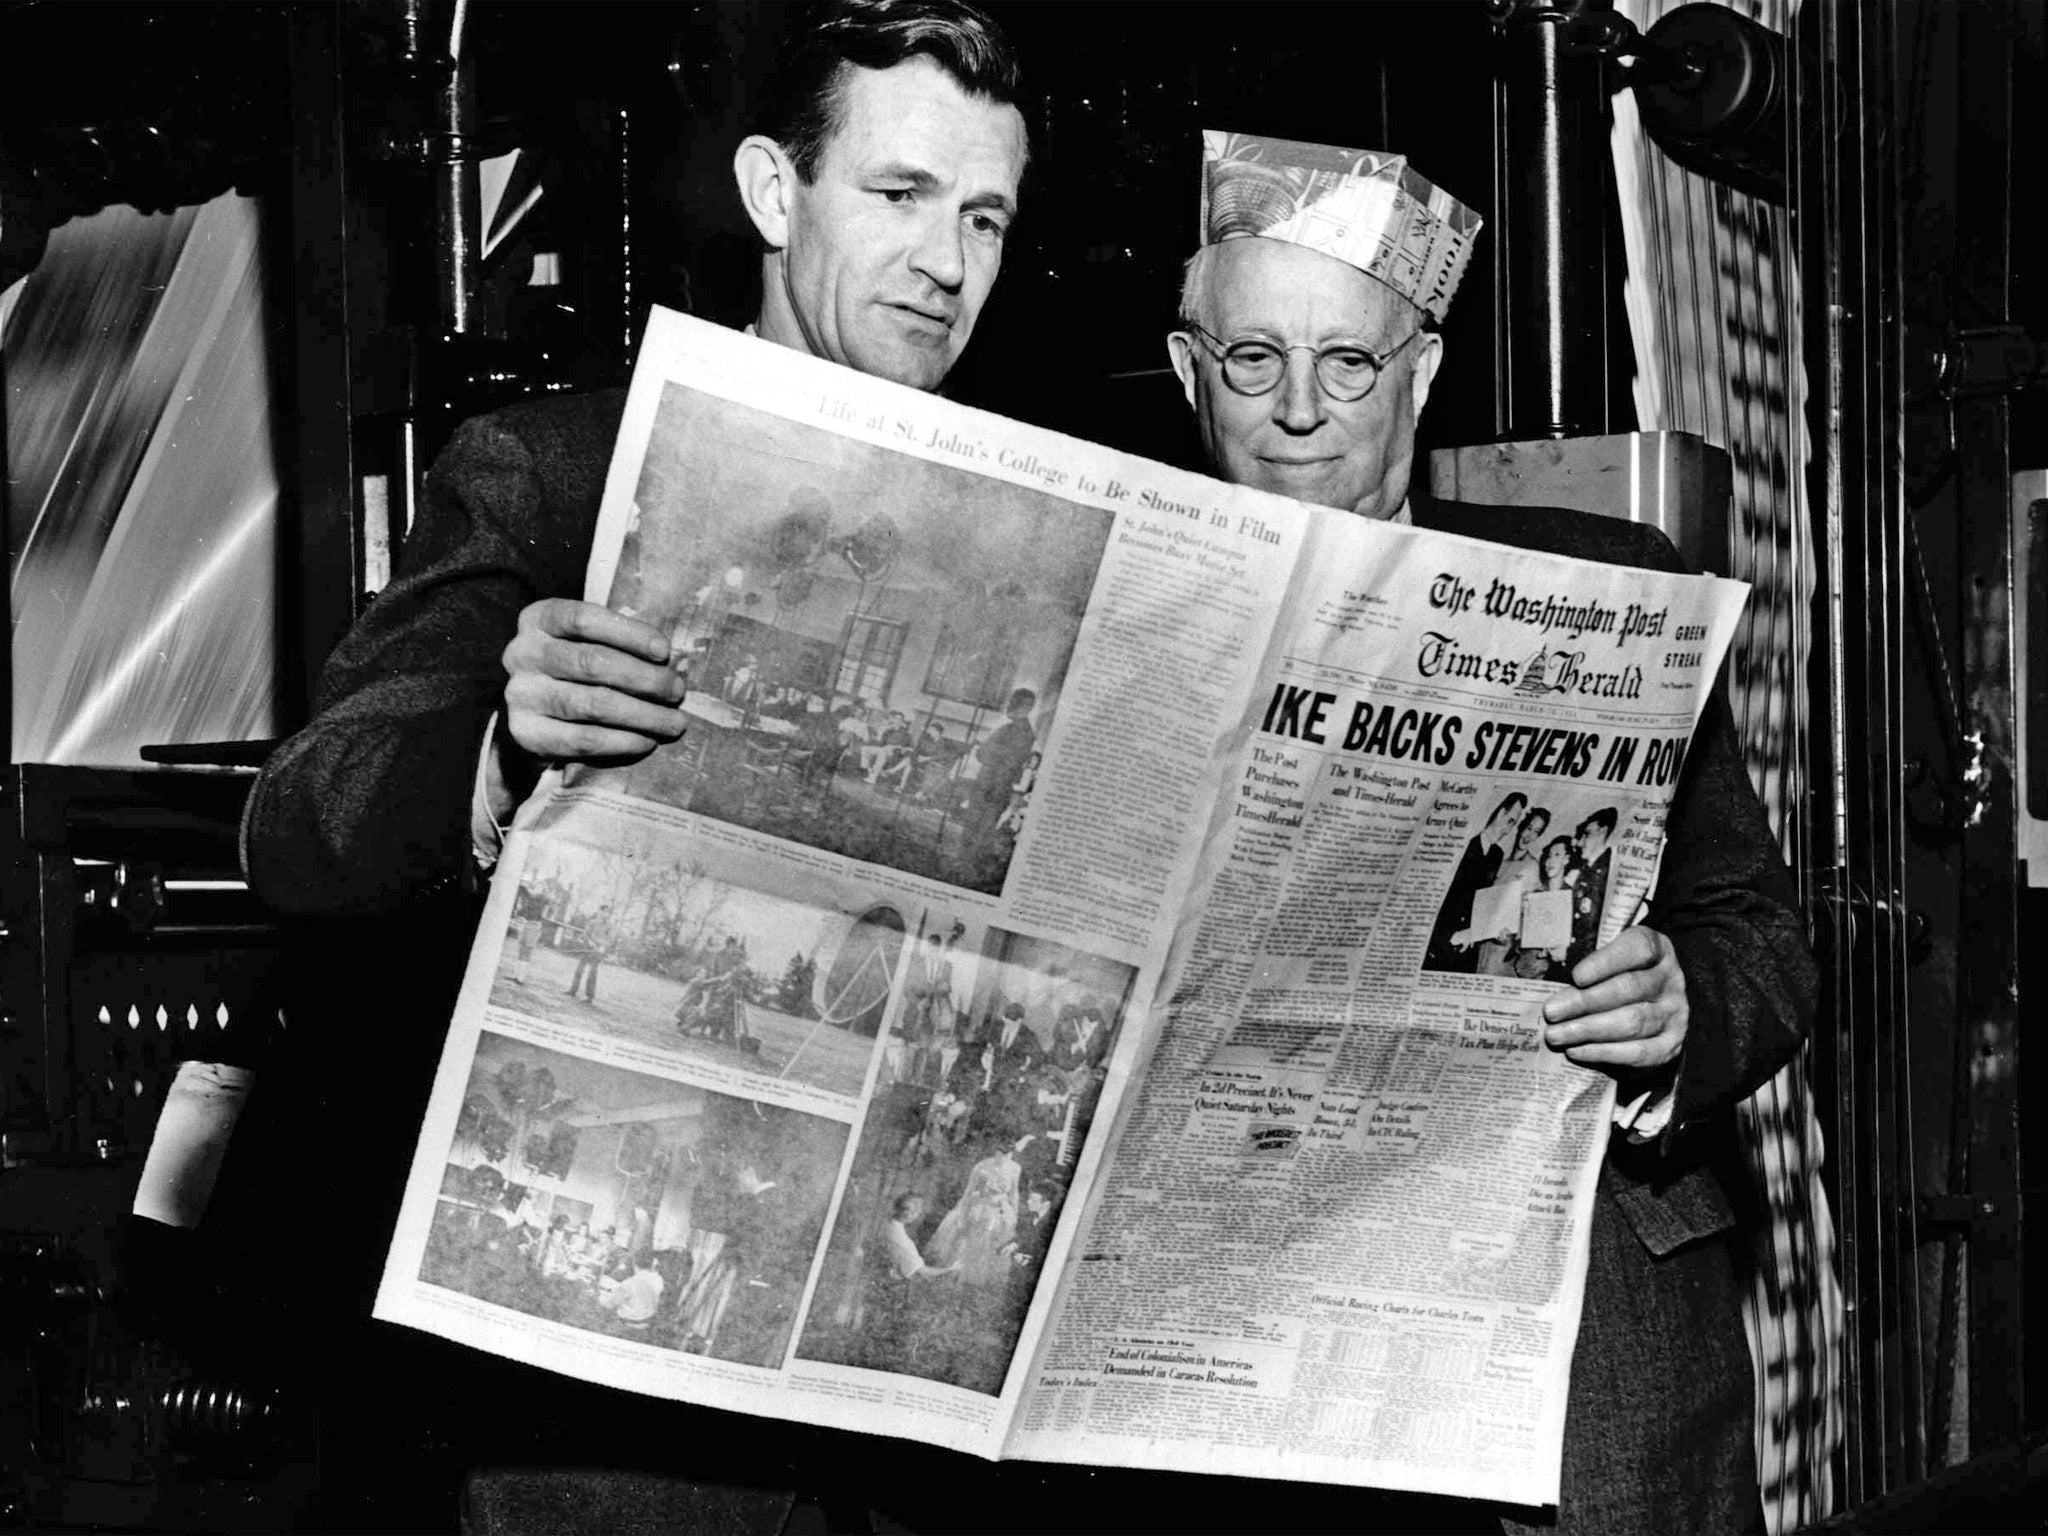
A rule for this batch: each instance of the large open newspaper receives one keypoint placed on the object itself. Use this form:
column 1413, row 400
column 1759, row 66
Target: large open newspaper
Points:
column 1072, row 992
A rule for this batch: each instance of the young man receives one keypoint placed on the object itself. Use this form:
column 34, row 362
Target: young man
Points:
column 1002, row 758
column 882, row 184
column 1589, row 889
column 1307, row 373
column 882, row 189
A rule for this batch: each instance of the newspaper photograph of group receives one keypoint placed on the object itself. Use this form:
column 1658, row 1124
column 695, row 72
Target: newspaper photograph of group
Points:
column 1072, row 991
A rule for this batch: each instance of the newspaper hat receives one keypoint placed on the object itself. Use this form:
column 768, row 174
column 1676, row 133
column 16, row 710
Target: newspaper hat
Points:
column 1369, row 209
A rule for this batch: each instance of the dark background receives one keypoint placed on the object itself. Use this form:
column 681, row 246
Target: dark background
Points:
column 1117, row 96
column 633, row 111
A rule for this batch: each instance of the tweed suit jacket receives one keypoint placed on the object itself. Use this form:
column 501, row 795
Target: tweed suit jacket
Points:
column 367, row 809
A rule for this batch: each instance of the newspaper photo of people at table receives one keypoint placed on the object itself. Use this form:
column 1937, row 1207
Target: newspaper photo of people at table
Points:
column 625, row 1204
column 868, row 671
column 646, row 941
column 985, row 1097
column 1529, row 890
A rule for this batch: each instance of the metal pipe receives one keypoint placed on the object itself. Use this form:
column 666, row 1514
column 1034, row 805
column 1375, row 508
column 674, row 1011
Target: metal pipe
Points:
column 1550, row 215
column 457, row 202
column 450, row 159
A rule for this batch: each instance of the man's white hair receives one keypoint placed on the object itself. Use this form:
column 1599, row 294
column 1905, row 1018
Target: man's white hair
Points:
column 1194, row 284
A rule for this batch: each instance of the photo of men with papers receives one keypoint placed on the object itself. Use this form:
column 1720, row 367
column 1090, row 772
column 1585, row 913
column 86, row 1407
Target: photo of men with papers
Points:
column 868, row 671
column 619, row 1203
column 1523, row 902
column 966, row 1155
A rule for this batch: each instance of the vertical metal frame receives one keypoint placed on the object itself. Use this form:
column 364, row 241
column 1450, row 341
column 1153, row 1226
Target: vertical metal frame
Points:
column 320, row 542
column 1989, row 942
column 35, row 1014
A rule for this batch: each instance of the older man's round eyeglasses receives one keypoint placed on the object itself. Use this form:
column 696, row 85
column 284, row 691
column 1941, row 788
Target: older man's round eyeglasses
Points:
column 1254, row 365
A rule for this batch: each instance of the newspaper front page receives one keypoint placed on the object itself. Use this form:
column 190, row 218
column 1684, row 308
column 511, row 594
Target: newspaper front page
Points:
column 1343, row 1232
column 786, row 1065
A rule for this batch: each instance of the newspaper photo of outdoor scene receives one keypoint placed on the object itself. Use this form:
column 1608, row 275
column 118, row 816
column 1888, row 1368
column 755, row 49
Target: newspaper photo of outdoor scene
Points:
column 989, row 1082
column 1529, row 889
column 666, row 947
column 874, row 645
column 628, row 1205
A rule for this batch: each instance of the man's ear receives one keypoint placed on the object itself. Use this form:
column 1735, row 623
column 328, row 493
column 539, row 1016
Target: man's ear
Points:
column 767, row 182
column 1429, row 356
column 1180, row 348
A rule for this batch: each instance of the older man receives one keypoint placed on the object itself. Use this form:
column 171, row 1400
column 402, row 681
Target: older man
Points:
column 882, row 185
column 1307, row 350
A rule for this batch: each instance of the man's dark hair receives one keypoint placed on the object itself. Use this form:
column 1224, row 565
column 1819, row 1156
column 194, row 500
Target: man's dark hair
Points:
column 1023, row 698
column 803, row 102
column 1603, row 819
